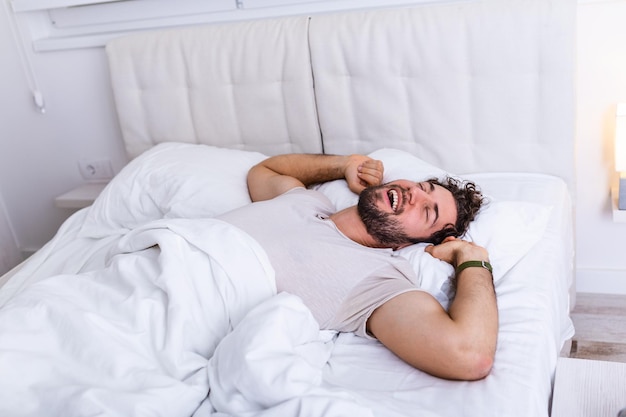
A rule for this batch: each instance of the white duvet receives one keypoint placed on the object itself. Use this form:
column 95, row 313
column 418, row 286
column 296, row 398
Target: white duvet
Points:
column 133, row 338
column 144, row 305
column 182, row 321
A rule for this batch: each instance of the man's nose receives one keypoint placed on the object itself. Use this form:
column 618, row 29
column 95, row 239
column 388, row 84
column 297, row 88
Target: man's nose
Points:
column 416, row 195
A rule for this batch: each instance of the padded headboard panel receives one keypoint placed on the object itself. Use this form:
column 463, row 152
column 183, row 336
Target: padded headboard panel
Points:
column 483, row 85
column 245, row 85
column 475, row 86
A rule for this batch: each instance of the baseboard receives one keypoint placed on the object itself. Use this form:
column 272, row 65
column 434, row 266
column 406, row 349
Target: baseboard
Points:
column 601, row 281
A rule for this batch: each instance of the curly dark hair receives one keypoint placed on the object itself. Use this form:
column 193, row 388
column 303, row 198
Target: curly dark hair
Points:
column 468, row 202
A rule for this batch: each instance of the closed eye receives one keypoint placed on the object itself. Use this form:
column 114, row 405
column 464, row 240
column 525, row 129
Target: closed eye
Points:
column 435, row 206
column 428, row 211
column 430, row 189
column 436, row 209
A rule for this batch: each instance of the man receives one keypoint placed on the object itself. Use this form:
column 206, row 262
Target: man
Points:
column 344, row 267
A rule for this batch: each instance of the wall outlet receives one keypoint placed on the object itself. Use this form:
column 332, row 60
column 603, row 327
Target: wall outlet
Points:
column 95, row 169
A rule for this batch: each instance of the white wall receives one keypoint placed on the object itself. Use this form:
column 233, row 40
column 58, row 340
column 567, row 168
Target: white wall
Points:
column 601, row 249
column 39, row 153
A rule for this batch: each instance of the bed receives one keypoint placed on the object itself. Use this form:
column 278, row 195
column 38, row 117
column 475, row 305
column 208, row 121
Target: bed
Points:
column 146, row 304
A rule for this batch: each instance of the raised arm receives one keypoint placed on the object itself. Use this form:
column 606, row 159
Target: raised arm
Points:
column 281, row 173
column 458, row 344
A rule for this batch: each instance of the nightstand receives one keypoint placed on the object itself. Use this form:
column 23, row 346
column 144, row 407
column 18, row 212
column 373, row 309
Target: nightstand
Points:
column 588, row 388
column 81, row 196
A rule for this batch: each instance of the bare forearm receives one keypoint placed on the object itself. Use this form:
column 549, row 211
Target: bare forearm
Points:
column 280, row 173
column 308, row 168
column 474, row 310
column 473, row 313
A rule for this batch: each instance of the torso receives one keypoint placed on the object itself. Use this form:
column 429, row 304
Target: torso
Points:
column 339, row 280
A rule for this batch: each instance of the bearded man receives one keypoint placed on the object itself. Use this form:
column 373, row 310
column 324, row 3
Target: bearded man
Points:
column 344, row 266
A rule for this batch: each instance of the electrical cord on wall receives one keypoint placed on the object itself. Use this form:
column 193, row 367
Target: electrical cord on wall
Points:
column 27, row 66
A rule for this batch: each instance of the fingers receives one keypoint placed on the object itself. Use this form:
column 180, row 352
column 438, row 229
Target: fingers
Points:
column 371, row 172
column 445, row 251
column 362, row 171
column 432, row 248
column 455, row 251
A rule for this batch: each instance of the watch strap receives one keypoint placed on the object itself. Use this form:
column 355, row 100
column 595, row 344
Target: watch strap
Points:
column 474, row 264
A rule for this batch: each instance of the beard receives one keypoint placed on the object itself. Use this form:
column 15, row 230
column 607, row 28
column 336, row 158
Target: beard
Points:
column 382, row 226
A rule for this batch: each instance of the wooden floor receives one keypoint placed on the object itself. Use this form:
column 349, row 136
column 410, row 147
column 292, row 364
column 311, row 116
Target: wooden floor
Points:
column 600, row 323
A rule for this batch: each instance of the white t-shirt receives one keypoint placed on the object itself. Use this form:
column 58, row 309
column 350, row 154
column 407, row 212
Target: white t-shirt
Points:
column 339, row 280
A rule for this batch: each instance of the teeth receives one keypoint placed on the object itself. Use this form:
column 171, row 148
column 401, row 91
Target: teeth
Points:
column 394, row 199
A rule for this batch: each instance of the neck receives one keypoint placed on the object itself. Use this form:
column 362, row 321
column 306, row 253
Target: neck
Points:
column 350, row 224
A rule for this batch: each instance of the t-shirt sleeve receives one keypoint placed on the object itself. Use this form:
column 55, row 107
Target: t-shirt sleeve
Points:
column 369, row 294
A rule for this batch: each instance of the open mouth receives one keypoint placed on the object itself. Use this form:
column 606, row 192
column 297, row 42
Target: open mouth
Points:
column 393, row 199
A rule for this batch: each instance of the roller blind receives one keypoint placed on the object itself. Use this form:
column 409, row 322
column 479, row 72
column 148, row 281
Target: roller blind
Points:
column 135, row 11
column 65, row 24
column 30, row 5
column 65, row 14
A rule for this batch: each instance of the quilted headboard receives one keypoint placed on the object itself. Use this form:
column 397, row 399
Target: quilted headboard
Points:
column 473, row 86
column 243, row 85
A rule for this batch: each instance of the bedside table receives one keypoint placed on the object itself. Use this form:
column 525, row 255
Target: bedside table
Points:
column 588, row 388
column 81, row 196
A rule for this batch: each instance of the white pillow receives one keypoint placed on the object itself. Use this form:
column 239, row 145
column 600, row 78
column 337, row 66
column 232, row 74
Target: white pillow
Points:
column 172, row 180
column 507, row 229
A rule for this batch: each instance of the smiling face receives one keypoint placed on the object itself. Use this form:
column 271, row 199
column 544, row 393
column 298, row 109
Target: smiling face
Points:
column 404, row 212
